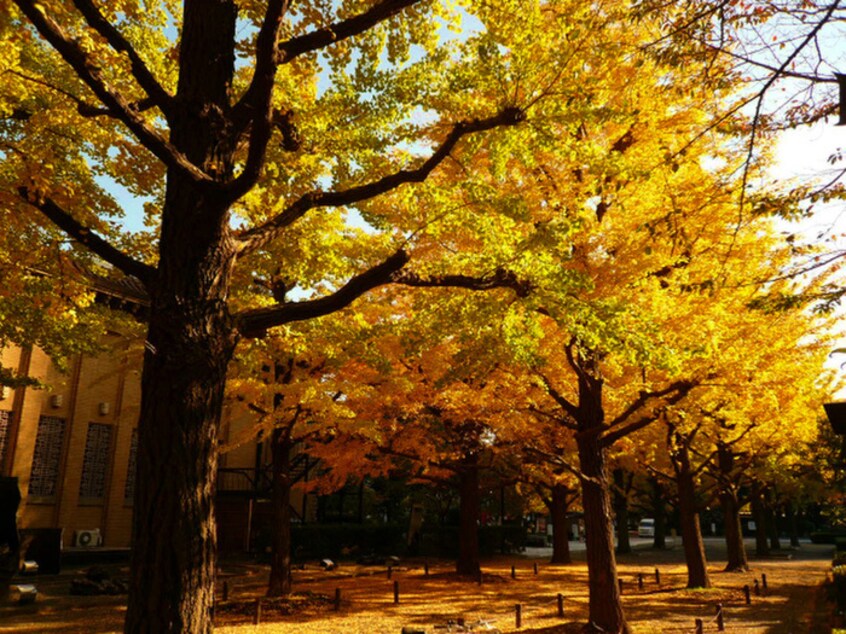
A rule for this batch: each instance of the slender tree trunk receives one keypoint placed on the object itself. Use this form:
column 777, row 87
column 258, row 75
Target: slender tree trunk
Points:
column 772, row 521
column 469, row 511
column 560, row 525
column 694, row 548
column 762, row 547
column 189, row 344
column 280, row 554
column 659, row 511
column 730, row 505
column 793, row 523
column 621, row 512
column 737, row 560
column 605, row 606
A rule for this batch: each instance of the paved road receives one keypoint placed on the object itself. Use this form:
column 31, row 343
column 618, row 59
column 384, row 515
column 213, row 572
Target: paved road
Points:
column 713, row 546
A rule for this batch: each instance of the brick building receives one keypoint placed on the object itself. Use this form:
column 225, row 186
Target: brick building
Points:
column 72, row 447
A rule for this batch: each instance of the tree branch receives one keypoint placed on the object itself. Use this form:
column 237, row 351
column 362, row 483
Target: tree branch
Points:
column 501, row 278
column 88, row 238
column 618, row 429
column 88, row 71
column 342, row 30
column 756, row 118
column 254, row 323
column 560, row 462
column 119, row 43
column 259, row 236
column 562, row 401
column 255, row 108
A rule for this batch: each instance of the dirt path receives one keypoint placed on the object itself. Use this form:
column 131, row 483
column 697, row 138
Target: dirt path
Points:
column 793, row 578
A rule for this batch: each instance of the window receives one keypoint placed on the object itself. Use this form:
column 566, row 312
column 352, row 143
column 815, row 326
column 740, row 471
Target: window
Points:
column 5, row 423
column 47, row 456
column 95, row 462
column 129, row 490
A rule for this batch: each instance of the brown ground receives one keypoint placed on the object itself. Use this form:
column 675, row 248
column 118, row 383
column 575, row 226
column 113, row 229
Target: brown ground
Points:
column 793, row 604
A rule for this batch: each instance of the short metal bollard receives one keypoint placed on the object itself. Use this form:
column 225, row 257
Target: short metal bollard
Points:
column 746, row 595
column 721, row 626
column 257, row 613
column 337, row 604
column 698, row 623
column 560, row 606
column 518, row 615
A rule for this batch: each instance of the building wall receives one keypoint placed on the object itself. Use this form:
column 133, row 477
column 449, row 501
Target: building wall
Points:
column 104, row 391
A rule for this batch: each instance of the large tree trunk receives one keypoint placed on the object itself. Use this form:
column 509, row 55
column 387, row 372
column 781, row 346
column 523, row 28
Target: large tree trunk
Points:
column 189, row 344
column 730, row 505
column 173, row 556
column 694, row 548
column 280, row 554
column 560, row 525
column 621, row 512
column 605, row 606
column 469, row 511
column 659, row 511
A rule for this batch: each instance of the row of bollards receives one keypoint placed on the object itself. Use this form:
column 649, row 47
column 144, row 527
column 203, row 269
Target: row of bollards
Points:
column 518, row 609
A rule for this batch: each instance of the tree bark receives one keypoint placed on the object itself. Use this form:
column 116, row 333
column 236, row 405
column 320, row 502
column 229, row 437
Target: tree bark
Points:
column 189, row 344
column 659, row 511
column 560, row 525
column 605, row 606
column 762, row 547
column 772, row 520
column 469, row 511
column 280, row 553
column 793, row 524
column 621, row 512
column 694, row 548
column 730, row 505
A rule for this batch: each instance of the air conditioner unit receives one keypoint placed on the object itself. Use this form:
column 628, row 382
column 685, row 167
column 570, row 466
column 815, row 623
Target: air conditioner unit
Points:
column 87, row 538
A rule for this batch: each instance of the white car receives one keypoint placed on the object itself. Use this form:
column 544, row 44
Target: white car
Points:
column 646, row 527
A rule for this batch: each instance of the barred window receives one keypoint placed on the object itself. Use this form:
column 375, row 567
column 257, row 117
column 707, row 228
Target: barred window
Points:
column 5, row 422
column 47, row 456
column 129, row 490
column 95, row 462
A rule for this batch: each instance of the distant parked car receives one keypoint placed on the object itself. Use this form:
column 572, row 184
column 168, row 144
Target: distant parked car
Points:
column 646, row 527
